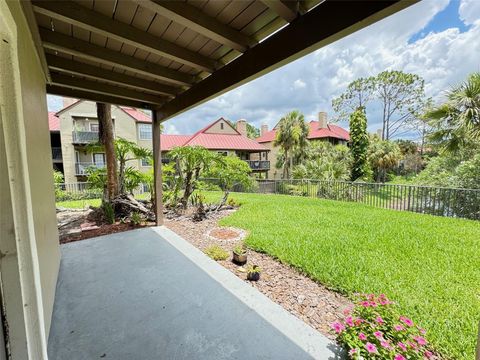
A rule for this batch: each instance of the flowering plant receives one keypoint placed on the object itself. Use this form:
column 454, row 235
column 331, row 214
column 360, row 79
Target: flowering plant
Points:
column 374, row 330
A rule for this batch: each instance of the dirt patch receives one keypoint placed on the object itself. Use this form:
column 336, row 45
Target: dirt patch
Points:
column 224, row 234
column 301, row 296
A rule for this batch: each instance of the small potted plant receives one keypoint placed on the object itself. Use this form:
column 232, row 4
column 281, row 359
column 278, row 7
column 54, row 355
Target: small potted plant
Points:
column 239, row 254
column 253, row 273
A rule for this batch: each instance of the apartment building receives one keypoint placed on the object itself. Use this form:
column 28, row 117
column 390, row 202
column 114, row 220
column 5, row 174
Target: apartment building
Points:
column 319, row 130
column 222, row 137
column 74, row 127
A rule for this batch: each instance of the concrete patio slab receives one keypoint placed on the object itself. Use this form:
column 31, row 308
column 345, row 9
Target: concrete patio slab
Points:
column 149, row 294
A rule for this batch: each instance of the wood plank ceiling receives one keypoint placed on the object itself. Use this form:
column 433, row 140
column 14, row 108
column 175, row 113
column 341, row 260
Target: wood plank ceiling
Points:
column 172, row 55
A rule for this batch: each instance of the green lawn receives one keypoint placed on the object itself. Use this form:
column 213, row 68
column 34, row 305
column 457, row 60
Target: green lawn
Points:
column 429, row 265
column 82, row 204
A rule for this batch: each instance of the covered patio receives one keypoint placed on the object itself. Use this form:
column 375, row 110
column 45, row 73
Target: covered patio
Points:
column 145, row 294
column 149, row 294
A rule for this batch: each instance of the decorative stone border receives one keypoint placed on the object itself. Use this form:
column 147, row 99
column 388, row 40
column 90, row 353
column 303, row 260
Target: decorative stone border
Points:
column 242, row 234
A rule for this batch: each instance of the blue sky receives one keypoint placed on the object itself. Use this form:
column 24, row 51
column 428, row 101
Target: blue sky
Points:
column 436, row 39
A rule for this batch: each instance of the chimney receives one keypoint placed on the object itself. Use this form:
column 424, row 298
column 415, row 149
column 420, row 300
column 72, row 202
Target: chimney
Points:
column 322, row 120
column 263, row 129
column 67, row 101
column 242, row 127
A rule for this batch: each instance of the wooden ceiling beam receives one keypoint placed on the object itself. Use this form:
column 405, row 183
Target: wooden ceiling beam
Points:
column 75, row 14
column 91, row 96
column 102, row 88
column 323, row 25
column 93, row 72
column 63, row 43
column 281, row 9
column 193, row 18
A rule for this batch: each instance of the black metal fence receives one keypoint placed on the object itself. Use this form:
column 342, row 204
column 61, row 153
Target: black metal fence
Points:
column 449, row 202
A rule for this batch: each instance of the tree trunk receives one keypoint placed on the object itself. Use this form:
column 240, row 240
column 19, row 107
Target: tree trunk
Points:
column 105, row 127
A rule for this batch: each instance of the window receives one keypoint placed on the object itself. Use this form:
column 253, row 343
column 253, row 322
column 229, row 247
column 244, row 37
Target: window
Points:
column 145, row 131
column 145, row 162
column 94, row 127
column 223, row 153
column 221, row 125
column 99, row 159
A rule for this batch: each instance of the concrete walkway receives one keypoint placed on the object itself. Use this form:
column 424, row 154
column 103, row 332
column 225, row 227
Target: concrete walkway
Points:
column 149, row 294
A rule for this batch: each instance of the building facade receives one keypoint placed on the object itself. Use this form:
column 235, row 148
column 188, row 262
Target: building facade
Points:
column 319, row 130
column 74, row 127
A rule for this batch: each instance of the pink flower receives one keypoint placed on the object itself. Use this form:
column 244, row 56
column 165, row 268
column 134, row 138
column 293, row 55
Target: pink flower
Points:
column 412, row 344
column 386, row 345
column 428, row 354
column 365, row 303
column 378, row 334
column 352, row 352
column 399, row 357
column 349, row 321
column 420, row 340
column 371, row 348
column 358, row 321
column 398, row 327
column 406, row 321
column 402, row 346
column 338, row 327
column 362, row 336
column 384, row 302
column 347, row 311
column 373, row 304
column 422, row 331
column 379, row 320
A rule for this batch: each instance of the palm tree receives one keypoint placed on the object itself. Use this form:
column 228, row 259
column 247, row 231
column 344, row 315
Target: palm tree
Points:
column 292, row 132
column 457, row 121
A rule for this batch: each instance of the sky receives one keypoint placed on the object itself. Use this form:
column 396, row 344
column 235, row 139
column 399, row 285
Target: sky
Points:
column 438, row 40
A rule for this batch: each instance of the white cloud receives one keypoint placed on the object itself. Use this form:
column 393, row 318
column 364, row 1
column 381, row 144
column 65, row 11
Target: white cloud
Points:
column 470, row 11
column 299, row 84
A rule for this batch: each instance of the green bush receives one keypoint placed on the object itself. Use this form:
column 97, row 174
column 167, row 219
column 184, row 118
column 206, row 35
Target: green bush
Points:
column 216, row 253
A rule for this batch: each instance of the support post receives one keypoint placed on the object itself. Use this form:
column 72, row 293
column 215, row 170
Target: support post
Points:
column 157, row 167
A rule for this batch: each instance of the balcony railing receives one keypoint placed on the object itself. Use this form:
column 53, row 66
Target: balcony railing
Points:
column 81, row 168
column 57, row 153
column 258, row 164
column 84, row 137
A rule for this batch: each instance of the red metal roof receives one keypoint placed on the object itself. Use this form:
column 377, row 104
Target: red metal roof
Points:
column 138, row 115
column 53, row 121
column 315, row 132
column 211, row 141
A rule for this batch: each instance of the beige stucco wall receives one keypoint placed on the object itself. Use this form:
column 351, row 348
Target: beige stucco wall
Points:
column 217, row 128
column 70, row 119
column 39, row 163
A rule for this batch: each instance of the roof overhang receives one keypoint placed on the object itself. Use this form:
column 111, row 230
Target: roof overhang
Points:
column 171, row 56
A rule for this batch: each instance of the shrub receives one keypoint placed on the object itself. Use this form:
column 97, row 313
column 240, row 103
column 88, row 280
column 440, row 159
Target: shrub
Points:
column 136, row 218
column 374, row 330
column 216, row 253
column 109, row 212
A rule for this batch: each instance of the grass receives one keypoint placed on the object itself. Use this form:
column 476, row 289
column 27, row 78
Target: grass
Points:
column 428, row 265
column 82, row 204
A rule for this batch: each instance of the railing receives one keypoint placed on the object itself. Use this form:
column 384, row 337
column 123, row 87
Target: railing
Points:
column 258, row 164
column 81, row 168
column 84, row 137
column 56, row 153
column 449, row 202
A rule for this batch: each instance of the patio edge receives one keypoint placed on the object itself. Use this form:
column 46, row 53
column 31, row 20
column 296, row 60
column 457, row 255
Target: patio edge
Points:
column 309, row 339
